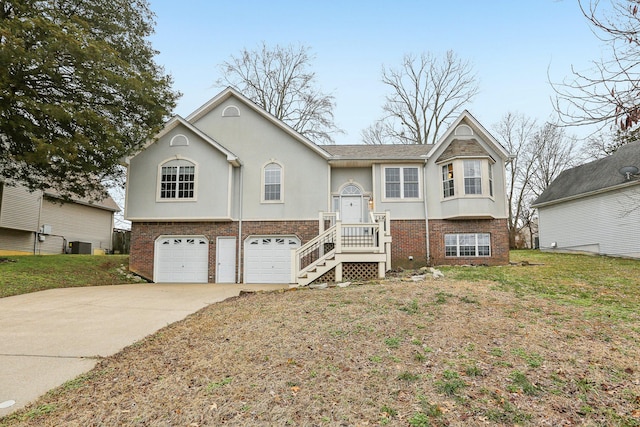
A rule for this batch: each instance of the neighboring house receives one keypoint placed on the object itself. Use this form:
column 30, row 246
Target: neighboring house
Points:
column 231, row 194
column 41, row 223
column 594, row 208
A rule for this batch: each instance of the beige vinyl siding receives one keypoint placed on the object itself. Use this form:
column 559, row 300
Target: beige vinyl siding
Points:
column 16, row 242
column 19, row 208
column 605, row 224
column 75, row 222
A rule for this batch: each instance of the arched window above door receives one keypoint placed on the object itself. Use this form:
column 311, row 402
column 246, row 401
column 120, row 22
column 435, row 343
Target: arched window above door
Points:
column 351, row 190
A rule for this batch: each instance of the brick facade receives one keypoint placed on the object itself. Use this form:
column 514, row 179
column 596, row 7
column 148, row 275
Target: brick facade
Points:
column 497, row 228
column 409, row 239
column 144, row 235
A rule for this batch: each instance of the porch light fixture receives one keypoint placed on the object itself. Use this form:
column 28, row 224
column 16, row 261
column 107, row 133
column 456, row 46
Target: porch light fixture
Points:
column 629, row 171
column 370, row 203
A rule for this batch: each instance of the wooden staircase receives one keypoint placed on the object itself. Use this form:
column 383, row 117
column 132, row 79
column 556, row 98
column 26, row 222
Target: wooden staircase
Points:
column 341, row 243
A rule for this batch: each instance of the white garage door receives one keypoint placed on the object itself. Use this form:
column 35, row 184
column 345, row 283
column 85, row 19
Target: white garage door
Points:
column 268, row 259
column 181, row 259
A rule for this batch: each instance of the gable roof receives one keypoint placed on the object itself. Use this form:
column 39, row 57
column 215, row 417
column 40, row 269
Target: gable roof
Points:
column 231, row 92
column 462, row 148
column 176, row 121
column 107, row 203
column 593, row 177
column 468, row 118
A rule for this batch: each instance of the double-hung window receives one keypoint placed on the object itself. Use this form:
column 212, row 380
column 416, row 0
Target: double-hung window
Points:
column 472, row 177
column 178, row 180
column 272, row 183
column 401, row 183
column 467, row 245
column 447, row 180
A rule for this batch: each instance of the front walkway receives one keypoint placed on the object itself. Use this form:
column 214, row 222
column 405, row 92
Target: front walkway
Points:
column 50, row 337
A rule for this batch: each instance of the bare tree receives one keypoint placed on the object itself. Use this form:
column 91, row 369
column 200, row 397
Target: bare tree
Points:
column 426, row 94
column 553, row 153
column 538, row 155
column 608, row 95
column 515, row 132
column 278, row 79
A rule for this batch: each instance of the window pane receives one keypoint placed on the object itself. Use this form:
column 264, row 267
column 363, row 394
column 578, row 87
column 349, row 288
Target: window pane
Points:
column 411, row 190
column 491, row 180
column 451, row 245
column 411, row 183
column 467, row 245
column 272, row 192
column 392, row 189
column 447, row 180
column 392, row 174
column 472, row 177
column 472, row 186
column 186, row 184
column 392, row 182
column 272, row 181
column 169, row 176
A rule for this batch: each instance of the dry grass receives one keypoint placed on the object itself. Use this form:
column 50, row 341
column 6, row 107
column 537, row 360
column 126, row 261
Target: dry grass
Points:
column 397, row 353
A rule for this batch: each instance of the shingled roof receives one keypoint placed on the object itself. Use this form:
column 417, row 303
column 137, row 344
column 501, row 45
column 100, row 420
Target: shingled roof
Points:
column 377, row 152
column 592, row 177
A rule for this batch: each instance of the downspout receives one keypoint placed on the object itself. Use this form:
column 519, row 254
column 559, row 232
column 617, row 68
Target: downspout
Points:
column 426, row 213
column 238, row 262
column 37, row 232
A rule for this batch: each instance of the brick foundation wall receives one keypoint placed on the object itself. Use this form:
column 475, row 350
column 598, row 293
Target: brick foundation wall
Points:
column 144, row 235
column 497, row 228
column 408, row 239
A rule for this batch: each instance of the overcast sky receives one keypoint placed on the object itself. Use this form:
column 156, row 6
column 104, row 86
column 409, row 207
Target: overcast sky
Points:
column 515, row 47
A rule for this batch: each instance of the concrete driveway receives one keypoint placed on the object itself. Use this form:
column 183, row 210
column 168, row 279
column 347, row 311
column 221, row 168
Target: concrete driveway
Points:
column 50, row 337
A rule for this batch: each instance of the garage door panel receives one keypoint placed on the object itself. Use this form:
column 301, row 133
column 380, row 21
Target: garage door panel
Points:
column 181, row 259
column 268, row 259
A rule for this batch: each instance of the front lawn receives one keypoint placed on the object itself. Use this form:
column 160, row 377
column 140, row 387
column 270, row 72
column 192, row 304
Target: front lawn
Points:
column 24, row 274
column 555, row 342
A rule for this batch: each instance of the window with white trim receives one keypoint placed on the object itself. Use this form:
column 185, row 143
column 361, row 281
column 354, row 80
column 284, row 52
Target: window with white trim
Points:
column 447, row 180
column 272, row 182
column 467, row 245
column 491, row 179
column 472, row 176
column 177, row 180
column 401, row 182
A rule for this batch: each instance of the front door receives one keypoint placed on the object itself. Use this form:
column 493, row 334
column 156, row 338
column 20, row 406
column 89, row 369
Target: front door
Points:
column 226, row 260
column 351, row 209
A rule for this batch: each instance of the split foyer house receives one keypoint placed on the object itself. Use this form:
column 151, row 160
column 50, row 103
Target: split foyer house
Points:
column 231, row 194
column 39, row 223
column 595, row 207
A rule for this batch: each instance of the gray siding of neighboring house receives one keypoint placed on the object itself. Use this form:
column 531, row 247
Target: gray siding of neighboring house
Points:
column 23, row 213
column 16, row 242
column 605, row 224
column 19, row 208
column 75, row 222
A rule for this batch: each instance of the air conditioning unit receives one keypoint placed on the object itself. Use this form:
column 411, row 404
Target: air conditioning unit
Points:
column 80, row 248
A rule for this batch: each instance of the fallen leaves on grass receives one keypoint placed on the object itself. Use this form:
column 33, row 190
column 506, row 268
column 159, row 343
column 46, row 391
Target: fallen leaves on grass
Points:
column 397, row 353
